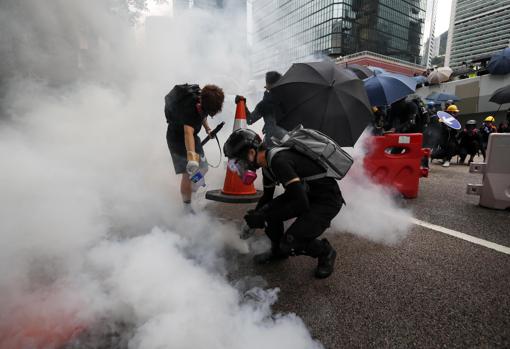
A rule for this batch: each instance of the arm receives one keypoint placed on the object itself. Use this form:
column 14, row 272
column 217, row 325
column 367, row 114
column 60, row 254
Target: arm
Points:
column 294, row 202
column 257, row 113
column 193, row 158
column 206, row 126
column 189, row 138
column 295, row 199
column 267, row 196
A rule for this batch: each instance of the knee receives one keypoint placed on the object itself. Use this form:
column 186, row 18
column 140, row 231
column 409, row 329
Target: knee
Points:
column 291, row 246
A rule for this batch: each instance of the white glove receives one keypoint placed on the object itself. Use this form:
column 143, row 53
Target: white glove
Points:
column 193, row 162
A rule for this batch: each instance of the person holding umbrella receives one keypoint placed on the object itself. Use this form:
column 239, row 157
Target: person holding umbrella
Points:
column 268, row 109
column 312, row 202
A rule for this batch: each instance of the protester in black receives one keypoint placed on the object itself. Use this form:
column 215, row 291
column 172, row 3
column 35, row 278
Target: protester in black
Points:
column 186, row 110
column 268, row 109
column 486, row 129
column 404, row 116
column 469, row 142
column 313, row 203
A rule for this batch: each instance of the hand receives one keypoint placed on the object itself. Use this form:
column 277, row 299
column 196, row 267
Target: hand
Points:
column 239, row 98
column 246, row 232
column 192, row 166
column 255, row 219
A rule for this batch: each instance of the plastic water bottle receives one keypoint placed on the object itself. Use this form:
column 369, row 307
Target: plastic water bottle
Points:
column 197, row 180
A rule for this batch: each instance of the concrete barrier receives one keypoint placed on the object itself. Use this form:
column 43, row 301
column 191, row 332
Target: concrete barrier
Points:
column 494, row 191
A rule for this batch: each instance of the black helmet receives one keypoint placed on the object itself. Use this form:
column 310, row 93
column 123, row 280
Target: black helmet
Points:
column 471, row 122
column 239, row 142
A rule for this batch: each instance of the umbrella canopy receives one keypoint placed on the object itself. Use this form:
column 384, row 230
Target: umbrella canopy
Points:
column 322, row 96
column 361, row 71
column 440, row 75
column 501, row 95
column 500, row 62
column 441, row 97
column 377, row 70
column 386, row 88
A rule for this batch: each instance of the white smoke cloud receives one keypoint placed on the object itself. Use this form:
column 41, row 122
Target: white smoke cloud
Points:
column 372, row 210
column 93, row 236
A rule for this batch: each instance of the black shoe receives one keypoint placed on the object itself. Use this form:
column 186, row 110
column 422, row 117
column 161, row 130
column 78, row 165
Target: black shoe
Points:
column 326, row 261
column 269, row 256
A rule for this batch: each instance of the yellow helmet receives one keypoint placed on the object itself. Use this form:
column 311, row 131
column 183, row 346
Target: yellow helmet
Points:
column 489, row 118
column 452, row 109
column 375, row 109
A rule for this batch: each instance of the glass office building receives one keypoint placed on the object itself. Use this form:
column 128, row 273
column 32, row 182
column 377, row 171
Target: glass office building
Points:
column 286, row 31
column 479, row 27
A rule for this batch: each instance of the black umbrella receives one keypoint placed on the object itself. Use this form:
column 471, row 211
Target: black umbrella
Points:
column 501, row 95
column 361, row 71
column 324, row 97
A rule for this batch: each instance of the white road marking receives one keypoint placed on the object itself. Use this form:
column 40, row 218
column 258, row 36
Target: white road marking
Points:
column 466, row 237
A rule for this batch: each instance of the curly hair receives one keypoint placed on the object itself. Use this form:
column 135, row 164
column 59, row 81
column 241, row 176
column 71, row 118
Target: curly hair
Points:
column 212, row 98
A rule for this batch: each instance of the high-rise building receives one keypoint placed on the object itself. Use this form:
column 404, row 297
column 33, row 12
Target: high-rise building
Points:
column 431, row 44
column 477, row 27
column 443, row 38
column 208, row 4
column 285, row 31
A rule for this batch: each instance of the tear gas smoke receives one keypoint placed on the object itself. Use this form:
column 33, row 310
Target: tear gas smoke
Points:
column 86, row 182
column 371, row 210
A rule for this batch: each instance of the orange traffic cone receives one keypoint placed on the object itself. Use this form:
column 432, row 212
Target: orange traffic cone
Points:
column 234, row 191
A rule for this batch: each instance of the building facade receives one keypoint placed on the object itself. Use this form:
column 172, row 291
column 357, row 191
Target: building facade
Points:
column 431, row 45
column 286, row 31
column 477, row 27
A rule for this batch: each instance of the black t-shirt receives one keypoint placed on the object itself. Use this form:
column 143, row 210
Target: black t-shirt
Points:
column 289, row 164
column 180, row 108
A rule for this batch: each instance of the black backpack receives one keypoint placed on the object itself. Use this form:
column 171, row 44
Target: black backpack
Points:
column 174, row 98
column 317, row 146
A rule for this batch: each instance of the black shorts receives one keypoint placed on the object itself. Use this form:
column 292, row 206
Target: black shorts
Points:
column 175, row 141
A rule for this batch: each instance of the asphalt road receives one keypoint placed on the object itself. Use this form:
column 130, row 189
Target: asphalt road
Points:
column 429, row 291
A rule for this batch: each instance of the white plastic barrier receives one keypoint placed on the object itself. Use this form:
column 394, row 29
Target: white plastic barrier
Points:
column 494, row 191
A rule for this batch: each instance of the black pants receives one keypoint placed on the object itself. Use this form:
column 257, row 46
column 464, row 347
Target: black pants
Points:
column 301, row 237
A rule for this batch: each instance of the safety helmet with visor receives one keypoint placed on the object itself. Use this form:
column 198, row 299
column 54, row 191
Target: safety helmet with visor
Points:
column 236, row 149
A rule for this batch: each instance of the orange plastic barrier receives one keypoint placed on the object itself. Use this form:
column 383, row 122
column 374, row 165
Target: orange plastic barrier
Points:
column 234, row 191
column 395, row 160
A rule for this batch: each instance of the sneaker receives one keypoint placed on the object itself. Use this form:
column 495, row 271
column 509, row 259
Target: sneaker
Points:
column 326, row 261
column 446, row 164
column 188, row 210
column 269, row 256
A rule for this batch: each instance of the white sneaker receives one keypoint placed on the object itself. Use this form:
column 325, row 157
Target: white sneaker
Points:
column 446, row 164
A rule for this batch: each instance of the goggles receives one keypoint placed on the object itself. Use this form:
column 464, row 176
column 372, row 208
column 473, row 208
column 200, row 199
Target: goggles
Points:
column 242, row 169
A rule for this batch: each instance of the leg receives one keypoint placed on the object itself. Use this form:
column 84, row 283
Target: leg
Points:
column 301, row 238
column 185, row 188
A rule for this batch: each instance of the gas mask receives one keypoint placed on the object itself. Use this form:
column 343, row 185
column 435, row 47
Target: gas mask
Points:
column 245, row 170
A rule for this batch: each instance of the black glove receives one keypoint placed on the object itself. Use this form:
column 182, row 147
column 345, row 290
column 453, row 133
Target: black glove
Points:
column 255, row 219
column 239, row 98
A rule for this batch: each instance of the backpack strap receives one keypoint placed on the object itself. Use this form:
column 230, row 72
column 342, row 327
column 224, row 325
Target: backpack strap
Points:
column 270, row 153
